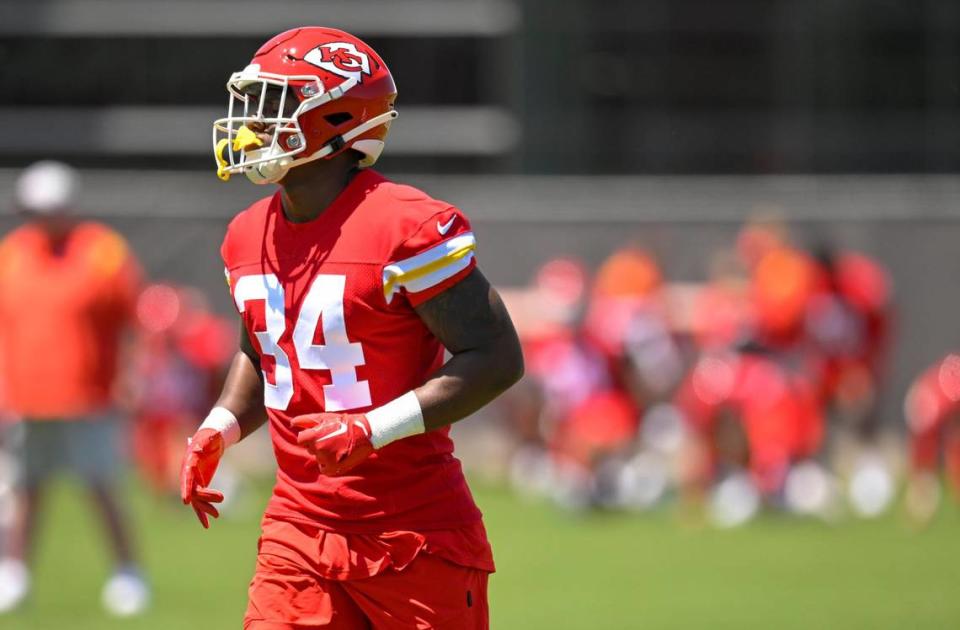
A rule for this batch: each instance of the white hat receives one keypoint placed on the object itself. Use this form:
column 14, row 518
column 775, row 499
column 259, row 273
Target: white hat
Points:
column 47, row 187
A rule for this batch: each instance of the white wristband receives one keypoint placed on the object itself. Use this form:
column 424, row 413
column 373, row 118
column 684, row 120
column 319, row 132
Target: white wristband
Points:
column 222, row 419
column 399, row 418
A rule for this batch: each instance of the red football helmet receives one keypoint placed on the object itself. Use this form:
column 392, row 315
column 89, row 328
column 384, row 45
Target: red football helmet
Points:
column 314, row 92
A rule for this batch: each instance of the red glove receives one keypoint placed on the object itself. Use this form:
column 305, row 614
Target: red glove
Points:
column 339, row 441
column 204, row 451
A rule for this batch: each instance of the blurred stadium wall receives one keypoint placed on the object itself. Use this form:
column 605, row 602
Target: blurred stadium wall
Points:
column 561, row 127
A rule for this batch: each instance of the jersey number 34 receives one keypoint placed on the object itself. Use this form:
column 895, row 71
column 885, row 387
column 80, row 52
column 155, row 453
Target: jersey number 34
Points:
column 323, row 302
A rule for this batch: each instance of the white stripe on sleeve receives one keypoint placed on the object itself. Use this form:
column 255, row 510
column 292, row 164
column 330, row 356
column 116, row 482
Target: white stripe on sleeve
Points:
column 429, row 268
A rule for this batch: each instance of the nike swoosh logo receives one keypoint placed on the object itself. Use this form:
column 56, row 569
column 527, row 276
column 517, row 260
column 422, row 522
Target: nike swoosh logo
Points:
column 443, row 229
column 340, row 431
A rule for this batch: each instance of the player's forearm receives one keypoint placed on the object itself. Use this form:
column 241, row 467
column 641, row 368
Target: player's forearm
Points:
column 468, row 381
column 471, row 379
column 242, row 394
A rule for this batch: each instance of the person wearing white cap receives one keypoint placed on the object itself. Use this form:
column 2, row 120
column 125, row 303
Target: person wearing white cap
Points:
column 67, row 289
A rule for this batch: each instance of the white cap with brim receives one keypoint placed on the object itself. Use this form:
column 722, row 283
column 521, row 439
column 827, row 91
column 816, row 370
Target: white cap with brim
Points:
column 47, row 187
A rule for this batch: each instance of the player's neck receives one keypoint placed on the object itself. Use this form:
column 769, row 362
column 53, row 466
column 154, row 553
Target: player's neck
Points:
column 309, row 190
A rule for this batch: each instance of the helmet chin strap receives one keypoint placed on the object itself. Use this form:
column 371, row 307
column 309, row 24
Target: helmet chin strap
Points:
column 273, row 171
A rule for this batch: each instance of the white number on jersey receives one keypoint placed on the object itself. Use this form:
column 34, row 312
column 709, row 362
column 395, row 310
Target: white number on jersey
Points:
column 268, row 288
column 337, row 354
column 323, row 303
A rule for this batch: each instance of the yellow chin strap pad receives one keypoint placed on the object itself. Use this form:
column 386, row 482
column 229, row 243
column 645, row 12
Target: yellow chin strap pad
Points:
column 245, row 138
column 221, row 162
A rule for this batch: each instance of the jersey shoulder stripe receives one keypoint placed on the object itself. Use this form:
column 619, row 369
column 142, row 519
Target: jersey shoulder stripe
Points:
column 429, row 268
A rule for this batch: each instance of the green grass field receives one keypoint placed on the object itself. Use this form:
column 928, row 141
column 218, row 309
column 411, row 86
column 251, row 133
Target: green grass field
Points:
column 555, row 571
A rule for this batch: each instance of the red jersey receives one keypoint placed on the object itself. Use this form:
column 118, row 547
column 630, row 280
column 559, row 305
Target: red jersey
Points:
column 329, row 306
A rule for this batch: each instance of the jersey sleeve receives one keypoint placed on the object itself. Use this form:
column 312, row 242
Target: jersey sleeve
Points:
column 439, row 253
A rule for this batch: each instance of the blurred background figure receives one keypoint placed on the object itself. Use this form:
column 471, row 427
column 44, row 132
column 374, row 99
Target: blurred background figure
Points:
column 752, row 419
column 932, row 411
column 179, row 365
column 67, row 294
column 562, row 371
column 848, row 323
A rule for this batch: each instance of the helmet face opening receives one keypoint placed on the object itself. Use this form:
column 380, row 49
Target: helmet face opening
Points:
column 269, row 100
column 310, row 93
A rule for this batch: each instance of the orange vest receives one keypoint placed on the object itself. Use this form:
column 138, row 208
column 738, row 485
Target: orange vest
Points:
column 61, row 319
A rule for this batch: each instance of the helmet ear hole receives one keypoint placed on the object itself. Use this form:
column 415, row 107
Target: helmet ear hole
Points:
column 338, row 118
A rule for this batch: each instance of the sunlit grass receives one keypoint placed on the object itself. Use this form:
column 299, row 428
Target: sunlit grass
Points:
column 554, row 570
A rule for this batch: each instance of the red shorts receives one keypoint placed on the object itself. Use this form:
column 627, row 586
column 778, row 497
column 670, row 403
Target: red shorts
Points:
column 428, row 593
column 308, row 577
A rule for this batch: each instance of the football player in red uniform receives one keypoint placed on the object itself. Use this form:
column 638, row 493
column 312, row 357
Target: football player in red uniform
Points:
column 349, row 288
column 932, row 410
column 747, row 410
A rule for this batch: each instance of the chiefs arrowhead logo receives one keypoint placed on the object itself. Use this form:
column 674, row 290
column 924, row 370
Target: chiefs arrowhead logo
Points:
column 340, row 58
